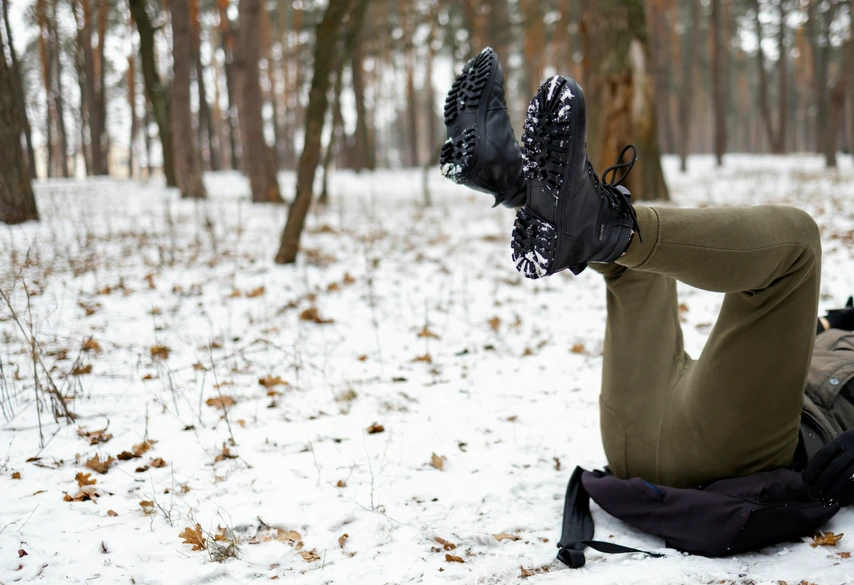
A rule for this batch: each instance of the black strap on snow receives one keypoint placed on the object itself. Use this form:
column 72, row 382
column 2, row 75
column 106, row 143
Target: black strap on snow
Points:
column 578, row 527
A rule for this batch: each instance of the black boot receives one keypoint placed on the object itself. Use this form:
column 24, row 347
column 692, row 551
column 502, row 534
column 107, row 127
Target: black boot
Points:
column 570, row 218
column 481, row 151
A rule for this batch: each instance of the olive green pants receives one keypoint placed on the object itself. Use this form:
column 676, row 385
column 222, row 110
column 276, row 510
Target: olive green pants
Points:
column 736, row 410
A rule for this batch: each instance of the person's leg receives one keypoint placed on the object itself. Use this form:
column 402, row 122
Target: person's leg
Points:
column 637, row 375
column 737, row 409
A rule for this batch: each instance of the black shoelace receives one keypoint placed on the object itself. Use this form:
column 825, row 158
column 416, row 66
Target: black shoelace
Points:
column 608, row 189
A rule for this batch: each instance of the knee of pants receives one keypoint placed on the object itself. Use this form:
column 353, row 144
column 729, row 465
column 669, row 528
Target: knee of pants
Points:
column 804, row 229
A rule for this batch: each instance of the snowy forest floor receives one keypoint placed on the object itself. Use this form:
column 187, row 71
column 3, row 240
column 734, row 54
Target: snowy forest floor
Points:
column 330, row 422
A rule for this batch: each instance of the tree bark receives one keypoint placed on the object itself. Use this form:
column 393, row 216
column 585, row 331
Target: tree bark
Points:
column 764, row 101
column 258, row 160
column 318, row 102
column 227, row 36
column 837, row 99
column 188, row 163
column 207, row 132
column 17, row 201
column 157, row 95
column 779, row 147
column 718, row 83
column 366, row 156
column 92, row 84
column 687, row 91
column 134, row 123
column 19, row 87
column 58, row 93
column 46, row 62
column 619, row 79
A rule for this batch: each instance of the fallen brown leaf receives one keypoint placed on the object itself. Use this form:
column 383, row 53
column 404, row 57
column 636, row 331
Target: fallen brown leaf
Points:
column 90, row 344
column 84, row 479
column 158, row 463
column 16, row 475
column 426, row 358
column 426, row 333
column 160, row 351
column 194, row 537
column 341, row 483
column 342, row 540
column 95, row 437
column 256, row 293
column 446, row 545
column 220, row 402
column 375, row 428
column 333, row 287
column 438, row 462
column 506, row 536
column 272, row 381
column 452, row 558
column 111, row 513
column 826, row 539
column 225, row 454
column 577, row 348
column 348, row 279
column 85, row 494
column 531, row 572
column 21, row 553
column 313, row 315
column 495, row 323
column 557, row 463
column 95, row 464
column 147, row 507
column 81, row 370
column 309, row 556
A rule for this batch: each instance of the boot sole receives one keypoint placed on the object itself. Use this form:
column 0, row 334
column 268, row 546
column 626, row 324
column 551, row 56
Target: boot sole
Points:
column 547, row 149
column 459, row 157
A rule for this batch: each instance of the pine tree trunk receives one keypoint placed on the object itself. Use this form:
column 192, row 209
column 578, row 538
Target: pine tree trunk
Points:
column 188, row 163
column 17, row 201
column 324, row 52
column 157, row 95
column 837, row 99
column 58, row 93
column 227, row 36
column 207, row 131
column 363, row 145
column 258, row 160
column 718, row 84
column 46, row 62
column 134, row 122
column 621, row 92
column 687, row 90
column 779, row 145
column 19, row 87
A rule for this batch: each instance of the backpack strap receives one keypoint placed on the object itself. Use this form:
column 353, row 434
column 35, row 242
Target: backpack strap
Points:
column 578, row 527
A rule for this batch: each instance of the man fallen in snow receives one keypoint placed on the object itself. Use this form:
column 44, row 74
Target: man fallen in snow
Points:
column 741, row 407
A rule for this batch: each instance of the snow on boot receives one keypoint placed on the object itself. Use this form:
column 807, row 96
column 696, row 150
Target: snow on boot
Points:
column 481, row 151
column 570, row 218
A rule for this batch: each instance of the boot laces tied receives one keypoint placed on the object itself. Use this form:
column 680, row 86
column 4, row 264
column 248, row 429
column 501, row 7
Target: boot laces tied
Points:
column 616, row 198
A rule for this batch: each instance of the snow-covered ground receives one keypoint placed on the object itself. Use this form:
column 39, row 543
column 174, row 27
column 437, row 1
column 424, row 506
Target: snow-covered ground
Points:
column 409, row 318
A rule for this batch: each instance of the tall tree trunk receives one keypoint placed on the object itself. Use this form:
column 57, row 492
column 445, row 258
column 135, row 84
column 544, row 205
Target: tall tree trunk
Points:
column 434, row 139
column 83, row 120
column 17, row 82
column 157, row 95
column 134, row 122
column 687, row 90
column 534, row 38
column 188, row 163
column 83, row 14
column 837, row 98
column 619, row 78
column 779, row 146
column 718, row 83
column 17, row 201
column 366, row 155
column 146, row 135
column 764, row 100
column 334, row 136
column 324, row 49
column 227, row 35
column 101, row 70
column 207, row 133
column 46, row 61
column 258, row 159
column 58, row 93
column 272, row 96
